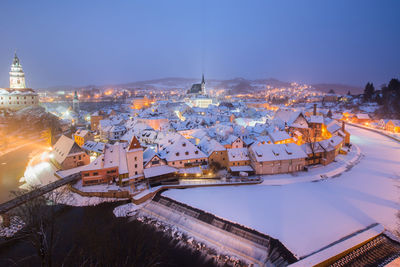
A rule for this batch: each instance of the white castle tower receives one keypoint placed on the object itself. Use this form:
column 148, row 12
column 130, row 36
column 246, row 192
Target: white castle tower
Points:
column 17, row 96
column 17, row 76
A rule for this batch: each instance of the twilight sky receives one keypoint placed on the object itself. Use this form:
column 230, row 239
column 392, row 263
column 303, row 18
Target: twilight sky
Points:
column 78, row 42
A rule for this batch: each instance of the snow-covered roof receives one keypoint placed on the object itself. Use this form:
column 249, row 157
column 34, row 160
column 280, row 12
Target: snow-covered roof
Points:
column 362, row 116
column 333, row 127
column 82, row 133
column 158, row 170
column 94, row 146
column 115, row 156
column 208, row 146
column 64, row 147
column 396, row 123
column 238, row 154
column 180, row 148
column 279, row 136
column 245, row 168
column 271, row 152
column 316, row 119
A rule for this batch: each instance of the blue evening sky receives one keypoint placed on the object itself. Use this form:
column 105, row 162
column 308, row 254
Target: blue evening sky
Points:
column 104, row 42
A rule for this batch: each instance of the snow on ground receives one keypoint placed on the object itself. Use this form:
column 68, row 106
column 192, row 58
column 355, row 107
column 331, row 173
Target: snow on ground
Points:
column 127, row 209
column 74, row 199
column 310, row 215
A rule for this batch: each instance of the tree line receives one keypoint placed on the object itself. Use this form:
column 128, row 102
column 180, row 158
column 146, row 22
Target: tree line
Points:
column 388, row 96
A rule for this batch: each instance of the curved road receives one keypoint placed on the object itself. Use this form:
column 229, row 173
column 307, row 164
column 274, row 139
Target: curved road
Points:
column 308, row 216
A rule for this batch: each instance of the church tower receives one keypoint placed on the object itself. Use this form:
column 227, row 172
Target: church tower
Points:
column 203, row 85
column 17, row 76
column 75, row 102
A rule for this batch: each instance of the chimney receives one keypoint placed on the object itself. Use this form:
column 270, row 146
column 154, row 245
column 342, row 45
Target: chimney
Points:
column 315, row 110
column 343, row 123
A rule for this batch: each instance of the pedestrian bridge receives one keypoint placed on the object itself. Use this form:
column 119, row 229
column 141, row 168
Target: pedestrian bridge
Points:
column 19, row 200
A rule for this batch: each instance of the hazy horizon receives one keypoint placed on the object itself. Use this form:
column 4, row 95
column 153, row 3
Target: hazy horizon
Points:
column 78, row 43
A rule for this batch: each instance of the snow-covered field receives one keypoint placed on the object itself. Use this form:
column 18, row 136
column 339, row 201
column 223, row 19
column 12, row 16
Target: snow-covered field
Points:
column 307, row 216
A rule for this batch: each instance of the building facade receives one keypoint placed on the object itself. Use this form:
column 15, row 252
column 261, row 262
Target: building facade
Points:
column 17, row 96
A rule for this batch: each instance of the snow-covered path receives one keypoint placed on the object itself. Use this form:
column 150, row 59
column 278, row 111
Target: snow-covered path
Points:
column 308, row 216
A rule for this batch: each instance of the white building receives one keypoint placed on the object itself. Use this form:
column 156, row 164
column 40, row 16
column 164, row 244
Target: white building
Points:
column 17, row 96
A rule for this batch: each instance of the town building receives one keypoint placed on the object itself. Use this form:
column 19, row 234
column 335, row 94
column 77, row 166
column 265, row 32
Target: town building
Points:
column 277, row 158
column 393, row 126
column 66, row 154
column 181, row 153
column 82, row 136
column 217, row 153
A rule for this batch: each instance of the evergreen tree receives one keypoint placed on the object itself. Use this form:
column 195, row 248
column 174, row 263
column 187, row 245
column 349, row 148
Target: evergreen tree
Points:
column 369, row 91
column 349, row 93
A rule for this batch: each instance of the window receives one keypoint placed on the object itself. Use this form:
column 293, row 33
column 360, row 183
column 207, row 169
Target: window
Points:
column 95, row 173
column 136, row 173
column 80, row 157
column 86, row 174
column 187, row 153
column 135, row 158
column 197, row 152
column 135, row 166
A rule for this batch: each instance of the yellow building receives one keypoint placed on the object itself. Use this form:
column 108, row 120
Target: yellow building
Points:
column 81, row 136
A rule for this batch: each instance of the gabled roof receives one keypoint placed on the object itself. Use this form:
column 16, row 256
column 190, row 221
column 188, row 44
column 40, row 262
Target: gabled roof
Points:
column 134, row 144
column 64, row 147
column 208, row 146
column 180, row 149
column 333, row 127
column 115, row 156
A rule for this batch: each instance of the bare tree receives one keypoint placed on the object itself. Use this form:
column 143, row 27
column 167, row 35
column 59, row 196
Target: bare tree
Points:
column 39, row 215
column 310, row 138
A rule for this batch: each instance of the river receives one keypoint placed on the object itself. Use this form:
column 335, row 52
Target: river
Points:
column 12, row 168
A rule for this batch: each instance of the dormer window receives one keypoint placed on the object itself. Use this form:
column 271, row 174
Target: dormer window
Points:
column 196, row 152
column 177, row 153
column 183, row 144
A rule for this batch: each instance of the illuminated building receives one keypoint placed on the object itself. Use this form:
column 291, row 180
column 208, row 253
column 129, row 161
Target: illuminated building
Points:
column 17, row 96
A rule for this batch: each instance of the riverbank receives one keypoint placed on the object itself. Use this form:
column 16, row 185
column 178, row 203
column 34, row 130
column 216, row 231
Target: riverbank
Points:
column 93, row 236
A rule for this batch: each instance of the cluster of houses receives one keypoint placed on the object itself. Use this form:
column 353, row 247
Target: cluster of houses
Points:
column 168, row 141
column 390, row 125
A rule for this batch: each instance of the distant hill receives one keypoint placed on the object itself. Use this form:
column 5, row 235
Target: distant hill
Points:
column 236, row 85
column 338, row 88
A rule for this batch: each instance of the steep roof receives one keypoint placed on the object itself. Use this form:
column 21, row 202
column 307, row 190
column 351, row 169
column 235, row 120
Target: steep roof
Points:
column 64, row 147
column 180, row 149
column 208, row 146
column 134, row 144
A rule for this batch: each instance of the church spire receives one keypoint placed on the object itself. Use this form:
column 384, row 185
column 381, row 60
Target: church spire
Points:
column 203, row 85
